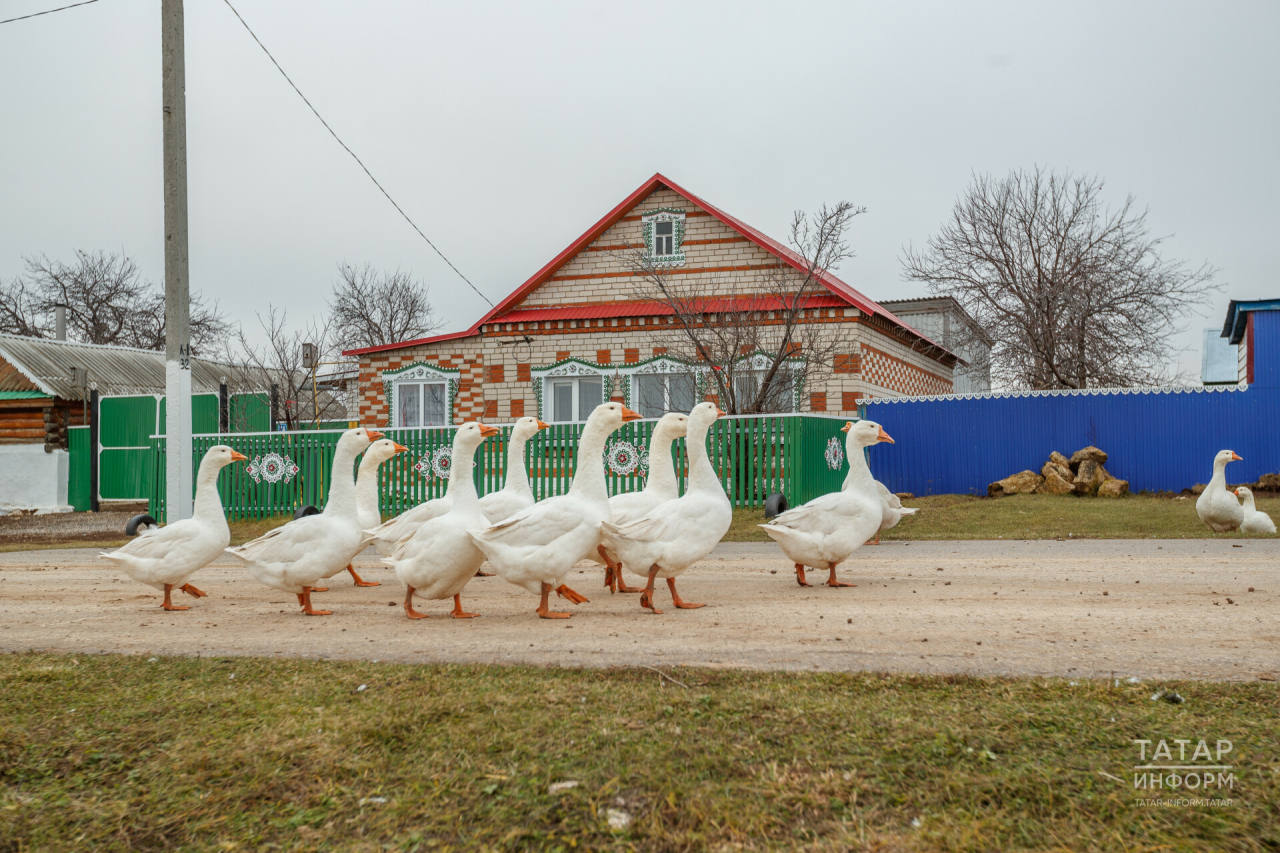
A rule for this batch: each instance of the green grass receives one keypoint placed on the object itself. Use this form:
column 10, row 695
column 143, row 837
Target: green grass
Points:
column 123, row 753
column 1038, row 517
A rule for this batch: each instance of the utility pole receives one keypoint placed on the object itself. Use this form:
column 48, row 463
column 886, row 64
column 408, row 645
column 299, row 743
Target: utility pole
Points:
column 177, row 330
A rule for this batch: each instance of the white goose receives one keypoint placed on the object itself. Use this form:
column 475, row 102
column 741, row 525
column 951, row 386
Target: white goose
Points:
column 677, row 533
column 1216, row 506
column 538, row 546
column 661, row 486
column 438, row 560
column 166, row 557
column 825, row 531
column 296, row 555
column 389, row 534
column 892, row 510
column 515, row 493
column 367, row 504
column 1255, row 521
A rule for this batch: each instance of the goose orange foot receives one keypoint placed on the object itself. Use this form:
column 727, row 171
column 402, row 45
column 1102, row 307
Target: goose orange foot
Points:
column 168, row 601
column 800, row 578
column 831, row 580
column 319, row 589
column 408, row 605
column 458, row 612
column 359, row 580
column 544, row 608
column 306, row 604
column 193, row 591
column 677, row 601
column 483, row 574
column 646, row 597
column 575, row 597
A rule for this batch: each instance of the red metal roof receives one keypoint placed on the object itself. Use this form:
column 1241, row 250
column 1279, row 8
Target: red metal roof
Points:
column 599, row 310
column 841, row 289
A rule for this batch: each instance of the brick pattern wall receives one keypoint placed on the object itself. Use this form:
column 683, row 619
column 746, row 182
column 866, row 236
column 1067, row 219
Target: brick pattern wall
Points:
column 881, row 369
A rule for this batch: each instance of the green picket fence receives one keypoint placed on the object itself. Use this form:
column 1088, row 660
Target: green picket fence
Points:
column 801, row 456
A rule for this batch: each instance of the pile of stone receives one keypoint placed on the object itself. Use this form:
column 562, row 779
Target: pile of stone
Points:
column 1082, row 474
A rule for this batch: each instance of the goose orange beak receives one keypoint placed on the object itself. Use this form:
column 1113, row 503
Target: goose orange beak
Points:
column 400, row 448
column 848, row 425
column 542, row 425
column 1235, row 458
column 720, row 413
column 486, row 430
column 237, row 456
column 884, row 436
column 374, row 435
column 629, row 415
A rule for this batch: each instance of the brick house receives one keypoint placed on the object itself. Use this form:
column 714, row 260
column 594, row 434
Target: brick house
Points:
column 574, row 334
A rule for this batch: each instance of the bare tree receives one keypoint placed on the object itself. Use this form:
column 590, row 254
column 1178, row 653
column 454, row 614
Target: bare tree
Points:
column 253, row 368
column 18, row 314
column 754, row 333
column 371, row 307
column 1074, row 294
column 108, row 301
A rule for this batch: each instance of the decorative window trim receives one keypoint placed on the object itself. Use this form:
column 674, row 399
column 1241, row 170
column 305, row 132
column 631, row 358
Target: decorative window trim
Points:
column 421, row 371
column 664, row 214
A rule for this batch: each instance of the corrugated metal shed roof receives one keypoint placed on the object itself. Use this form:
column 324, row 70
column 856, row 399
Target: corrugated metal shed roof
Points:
column 50, row 367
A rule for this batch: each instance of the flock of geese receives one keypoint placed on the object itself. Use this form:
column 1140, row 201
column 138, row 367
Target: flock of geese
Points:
column 437, row 547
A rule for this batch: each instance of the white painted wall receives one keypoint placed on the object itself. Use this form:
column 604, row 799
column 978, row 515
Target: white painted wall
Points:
column 31, row 479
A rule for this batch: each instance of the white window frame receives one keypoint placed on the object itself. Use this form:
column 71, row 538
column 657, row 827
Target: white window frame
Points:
column 648, row 231
column 575, row 382
column 666, row 377
column 420, row 374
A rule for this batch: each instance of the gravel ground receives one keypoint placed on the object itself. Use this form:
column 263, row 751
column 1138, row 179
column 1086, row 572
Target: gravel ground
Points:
column 1091, row 608
column 64, row 525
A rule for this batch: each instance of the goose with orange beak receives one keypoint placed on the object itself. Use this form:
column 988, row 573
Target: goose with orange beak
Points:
column 536, row 548
column 1217, row 506
column 167, row 557
column 677, row 533
column 824, row 532
column 294, row 556
column 438, row 560
column 367, row 505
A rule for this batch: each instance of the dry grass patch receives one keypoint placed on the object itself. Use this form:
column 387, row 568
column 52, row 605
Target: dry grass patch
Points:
column 1038, row 517
column 126, row 753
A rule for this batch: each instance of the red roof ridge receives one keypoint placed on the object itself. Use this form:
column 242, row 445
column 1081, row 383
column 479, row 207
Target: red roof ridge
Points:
column 828, row 280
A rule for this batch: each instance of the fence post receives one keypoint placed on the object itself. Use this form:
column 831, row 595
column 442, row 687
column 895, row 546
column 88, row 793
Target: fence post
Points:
column 224, row 407
column 275, row 407
column 93, row 448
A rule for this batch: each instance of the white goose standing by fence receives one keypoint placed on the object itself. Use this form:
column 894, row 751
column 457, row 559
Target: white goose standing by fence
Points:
column 538, row 546
column 294, row 556
column 438, row 560
column 167, row 557
column 823, row 532
column 1217, row 506
column 677, row 533
column 660, row 487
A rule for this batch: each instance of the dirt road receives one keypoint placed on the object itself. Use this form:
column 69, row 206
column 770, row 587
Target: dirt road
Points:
column 1151, row 608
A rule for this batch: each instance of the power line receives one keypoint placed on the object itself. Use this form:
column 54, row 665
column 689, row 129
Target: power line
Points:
column 47, row 12
column 353, row 154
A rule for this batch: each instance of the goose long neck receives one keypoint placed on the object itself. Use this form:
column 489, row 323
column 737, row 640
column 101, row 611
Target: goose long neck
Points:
column 662, row 473
column 588, row 478
column 1219, row 473
column 208, row 503
column 367, row 485
column 1248, row 503
column 462, row 482
column 702, row 477
column 859, row 474
column 342, row 485
column 517, row 475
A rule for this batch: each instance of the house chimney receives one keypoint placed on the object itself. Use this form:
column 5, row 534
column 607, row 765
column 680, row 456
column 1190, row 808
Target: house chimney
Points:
column 60, row 322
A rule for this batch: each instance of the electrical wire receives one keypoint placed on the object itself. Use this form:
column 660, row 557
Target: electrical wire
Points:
column 352, row 153
column 47, row 12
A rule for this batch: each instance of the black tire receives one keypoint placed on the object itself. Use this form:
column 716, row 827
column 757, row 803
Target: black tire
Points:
column 137, row 522
column 304, row 511
column 775, row 505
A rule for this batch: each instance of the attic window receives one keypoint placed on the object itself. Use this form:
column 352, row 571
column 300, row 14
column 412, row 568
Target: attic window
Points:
column 663, row 232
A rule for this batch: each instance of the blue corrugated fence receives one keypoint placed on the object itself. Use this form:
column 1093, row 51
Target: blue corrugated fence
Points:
column 1157, row 439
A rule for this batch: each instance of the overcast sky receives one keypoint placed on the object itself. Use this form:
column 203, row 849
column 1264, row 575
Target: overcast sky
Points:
column 506, row 129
